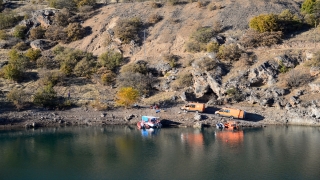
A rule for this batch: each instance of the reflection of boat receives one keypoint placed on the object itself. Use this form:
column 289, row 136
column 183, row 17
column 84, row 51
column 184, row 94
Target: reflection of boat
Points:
column 149, row 122
column 230, row 137
column 220, row 125
column 193, row 138
column 149, row 132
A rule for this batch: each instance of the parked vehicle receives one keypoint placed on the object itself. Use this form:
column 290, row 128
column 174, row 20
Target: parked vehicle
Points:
column 149, row 122
column 197, row 107
column 231, row 112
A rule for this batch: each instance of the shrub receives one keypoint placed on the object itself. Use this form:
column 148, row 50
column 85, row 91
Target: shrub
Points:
column 85, row 9
column 128, row 29
column 47, row 63
column 171, row 59
column 111, row 60
column 296, row 78
column 203, row 34
column 56, row 33
column 308, row 6
column 46, row 97
column 183, row 80
column 15, row 69
column 212, row 47
column 193, row 46
column 51, row 77
column 62, row 18
column 229, row 52
column 98, row 105
column 235, row 94
column 8, row 19
column 217, row 27
column 138, row 81
column 3, row 35
column 37, row 33
column 81, row 3
column 18, row 97
column 85, row 68
column 75, row 31
column 59, row 4
column 19, row 32
column 21, row 46
column 264, row 23
column 283, row 68
column 315, row 61
column 288, row 22
column 207, row 64
column 108, row 78
column 139, row 67
column 33, row 54
column 253, row 39
column 127, row 96
column 154, row 18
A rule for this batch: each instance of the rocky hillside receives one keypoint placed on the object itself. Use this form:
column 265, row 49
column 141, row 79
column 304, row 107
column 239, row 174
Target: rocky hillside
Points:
column 268, row 77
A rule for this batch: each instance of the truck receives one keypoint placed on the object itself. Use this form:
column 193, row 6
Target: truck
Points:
column 231, row 112
column 192, row 106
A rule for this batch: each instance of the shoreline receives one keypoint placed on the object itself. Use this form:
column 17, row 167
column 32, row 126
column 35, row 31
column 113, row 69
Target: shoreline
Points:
column 170, row 117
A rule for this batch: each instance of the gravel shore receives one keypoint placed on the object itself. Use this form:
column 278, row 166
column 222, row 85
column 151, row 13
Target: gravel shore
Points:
column 170, row 117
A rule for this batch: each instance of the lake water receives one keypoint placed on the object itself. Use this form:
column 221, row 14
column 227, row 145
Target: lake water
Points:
column 119, row 152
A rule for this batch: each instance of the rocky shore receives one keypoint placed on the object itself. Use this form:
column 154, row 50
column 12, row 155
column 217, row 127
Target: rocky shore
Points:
column 170, row 117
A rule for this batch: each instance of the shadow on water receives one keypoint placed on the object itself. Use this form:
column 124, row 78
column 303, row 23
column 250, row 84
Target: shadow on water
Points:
column 254, row 117
column 169, row 123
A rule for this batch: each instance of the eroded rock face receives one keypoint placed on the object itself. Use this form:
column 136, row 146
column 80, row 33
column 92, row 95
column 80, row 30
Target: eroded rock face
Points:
column 264, row 74
column 287, row 61
column 40, row 17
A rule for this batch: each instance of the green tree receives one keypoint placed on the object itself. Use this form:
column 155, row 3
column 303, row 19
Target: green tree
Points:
column 16, row 66
column 33, row 54
column 111, row 60
column 46, row 97
column 19, row 31
column 127, row 96
column 308, row 6
column 75, row 31
column 264, row 23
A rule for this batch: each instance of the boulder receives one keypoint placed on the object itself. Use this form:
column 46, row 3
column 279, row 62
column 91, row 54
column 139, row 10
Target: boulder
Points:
column 42, row 44
column 264, row 74
column 287, row 61
column 315, row 86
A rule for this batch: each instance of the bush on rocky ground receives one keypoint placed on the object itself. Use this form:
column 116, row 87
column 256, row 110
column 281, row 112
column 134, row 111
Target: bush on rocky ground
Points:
column 37, row 33
column 18, row 97
column 252, row 38
column 230, row 52
column 111, row 60
column 296, row 78
column 128, row 29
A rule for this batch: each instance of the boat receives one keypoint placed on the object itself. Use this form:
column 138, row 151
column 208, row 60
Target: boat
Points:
column 220, row 125
column 148, row 122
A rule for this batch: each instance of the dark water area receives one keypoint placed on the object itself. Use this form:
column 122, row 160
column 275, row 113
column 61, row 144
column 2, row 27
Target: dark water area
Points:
column 119, row 152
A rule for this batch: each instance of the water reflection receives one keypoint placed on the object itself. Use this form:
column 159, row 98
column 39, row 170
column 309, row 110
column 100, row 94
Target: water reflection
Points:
column 149, row 132
column 120, row 152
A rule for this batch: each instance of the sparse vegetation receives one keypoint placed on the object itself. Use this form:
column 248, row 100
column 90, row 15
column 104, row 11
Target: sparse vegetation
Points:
column 154, row 18
column 183, row 80
column 253, row 38
column 296, row 78
column 19, row 32
column 127, row 29
column 206, row 64
column 75, row 31
column 18, row 97
column 229, row 52
column 8, row 19
column 139, row 67
column 171, row 59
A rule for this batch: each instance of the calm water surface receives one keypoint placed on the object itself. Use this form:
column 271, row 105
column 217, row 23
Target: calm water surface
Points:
column 127, row 153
